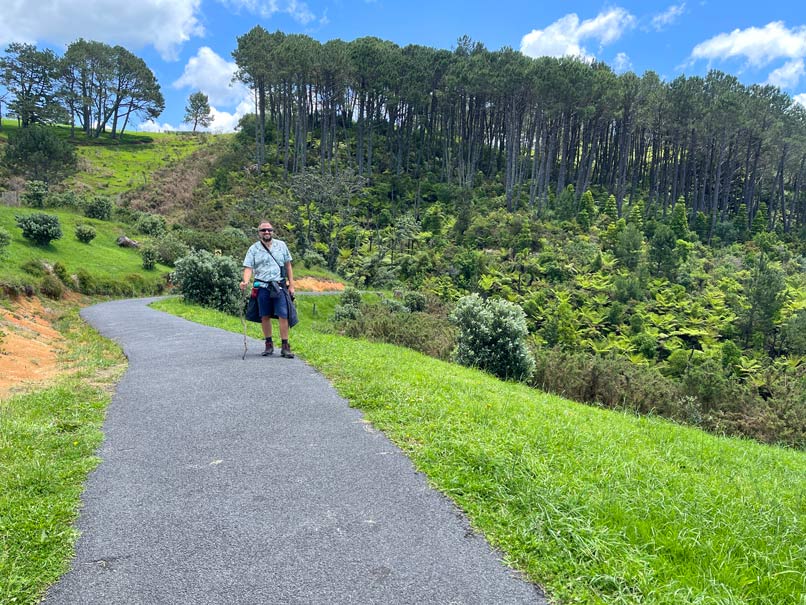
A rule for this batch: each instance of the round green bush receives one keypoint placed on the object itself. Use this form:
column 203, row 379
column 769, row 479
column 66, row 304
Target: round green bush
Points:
column 35, row 194
column 350, row 297
column 51, row 287
column 170, row 249
column 60, row 271
column 40, row 228
column 85, row 233
column 149, row 257
column 150, row 224
column 98, row 207
column 209, row 280
column 415, row 301
column 492, row 337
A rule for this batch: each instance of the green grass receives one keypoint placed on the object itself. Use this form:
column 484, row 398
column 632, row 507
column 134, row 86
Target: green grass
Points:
column 48, row 440
column 597, row 506
column 102, row 256
column 110, row 166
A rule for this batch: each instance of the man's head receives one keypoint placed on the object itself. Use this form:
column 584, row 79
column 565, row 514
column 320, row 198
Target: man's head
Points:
column 265, row 231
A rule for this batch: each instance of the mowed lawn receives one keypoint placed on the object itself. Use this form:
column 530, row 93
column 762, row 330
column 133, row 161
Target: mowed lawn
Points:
column 596, row 506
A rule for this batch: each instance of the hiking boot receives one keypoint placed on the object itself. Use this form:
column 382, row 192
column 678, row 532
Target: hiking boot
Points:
column 285, row 351
column 269, row 349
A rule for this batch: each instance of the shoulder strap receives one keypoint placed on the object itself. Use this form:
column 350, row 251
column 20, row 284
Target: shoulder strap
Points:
column 282, row 269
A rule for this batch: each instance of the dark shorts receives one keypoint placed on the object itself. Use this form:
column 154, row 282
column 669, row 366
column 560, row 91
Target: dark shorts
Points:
column 273, row 307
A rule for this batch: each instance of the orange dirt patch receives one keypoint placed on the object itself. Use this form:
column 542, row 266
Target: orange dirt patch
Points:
column 29, row 345
column 313, row 284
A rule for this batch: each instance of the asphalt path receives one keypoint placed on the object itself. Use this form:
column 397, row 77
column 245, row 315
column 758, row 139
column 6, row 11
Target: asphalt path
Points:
column 251, row 481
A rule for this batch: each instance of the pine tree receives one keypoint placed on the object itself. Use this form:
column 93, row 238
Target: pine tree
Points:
column 611, row 209
column 198, row 111
column 759, row 224
column 637, row 215
column 679, row 221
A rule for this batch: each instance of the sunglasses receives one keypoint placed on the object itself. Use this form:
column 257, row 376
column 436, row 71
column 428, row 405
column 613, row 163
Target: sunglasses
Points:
column 265, row 230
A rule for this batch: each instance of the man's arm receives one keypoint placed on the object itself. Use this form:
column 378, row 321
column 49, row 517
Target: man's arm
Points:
column 247, row 275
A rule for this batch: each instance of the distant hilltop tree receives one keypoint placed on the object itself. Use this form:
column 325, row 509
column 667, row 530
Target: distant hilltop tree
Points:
column 197, row 111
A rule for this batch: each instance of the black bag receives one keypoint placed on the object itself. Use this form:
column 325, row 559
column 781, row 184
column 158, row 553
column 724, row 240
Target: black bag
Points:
column 252, row 312
column 275, row 290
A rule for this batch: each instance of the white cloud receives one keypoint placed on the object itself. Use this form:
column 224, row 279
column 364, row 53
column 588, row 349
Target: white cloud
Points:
column 152, row 126
column 223, row 121
column 299, row 11
column 228, row 122
column 163, row 25
column 759, row 46
column 212, row 74
column 801, row 98
column 788, row 75
column 566, row 35
column 669, row 16
column 622, row 63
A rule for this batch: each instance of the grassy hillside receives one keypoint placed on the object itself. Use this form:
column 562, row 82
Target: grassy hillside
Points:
column 111, row 166
column 597, row 506
column 102, row 256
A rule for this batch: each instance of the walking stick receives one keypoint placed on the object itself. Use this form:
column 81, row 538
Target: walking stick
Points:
column 243, row 323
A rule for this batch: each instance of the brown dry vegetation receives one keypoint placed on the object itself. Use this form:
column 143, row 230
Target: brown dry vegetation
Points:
column 172, row 190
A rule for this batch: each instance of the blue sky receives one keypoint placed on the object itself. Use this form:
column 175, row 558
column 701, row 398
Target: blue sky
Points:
column 188, row 43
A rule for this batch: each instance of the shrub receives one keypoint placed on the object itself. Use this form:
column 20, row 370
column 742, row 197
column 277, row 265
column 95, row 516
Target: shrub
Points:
column 51, row 287
column 65, row 199
column 85, row 233
column 149, row 254
column 60, row 271
column 343, row 313
column 209, row 280
column 5, row 240
column 34, row 267
column 313, row 259
column 99, row 207
column 415, row 301
column 351, row 297
column 40, row 228
column 394, row 306
column 35, row 194
column 13, row 287
column 423, row 332
column 150, row 224
column 492, row 337
column 170, row 249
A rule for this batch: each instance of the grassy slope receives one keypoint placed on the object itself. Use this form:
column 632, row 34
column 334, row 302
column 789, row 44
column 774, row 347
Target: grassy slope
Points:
column 597, row 506
column 48, row 440
column 109, row 167
column 102, row 256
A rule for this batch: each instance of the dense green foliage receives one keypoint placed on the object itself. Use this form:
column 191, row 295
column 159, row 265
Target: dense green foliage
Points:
column 39, row 153
column 85, row 233
column 535, row 126
column 209, row 280
column 492, row 337
column 40, row 228
column 596, row 506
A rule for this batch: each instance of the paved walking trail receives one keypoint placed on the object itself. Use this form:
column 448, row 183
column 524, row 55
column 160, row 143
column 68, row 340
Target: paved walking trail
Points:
column 226, row 481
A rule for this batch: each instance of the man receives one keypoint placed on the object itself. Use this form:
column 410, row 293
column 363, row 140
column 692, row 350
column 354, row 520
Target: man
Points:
column 264, row 260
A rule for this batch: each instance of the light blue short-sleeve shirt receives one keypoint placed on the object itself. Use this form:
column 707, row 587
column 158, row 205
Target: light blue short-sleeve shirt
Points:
column 263, row 266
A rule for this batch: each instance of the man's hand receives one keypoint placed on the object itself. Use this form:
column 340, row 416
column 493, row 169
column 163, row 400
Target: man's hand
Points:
column 242, row 286
column 291, row 291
